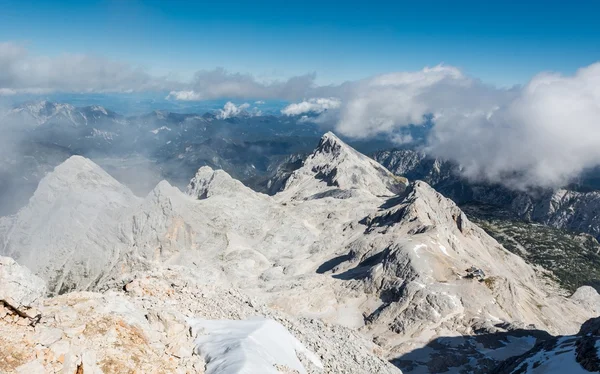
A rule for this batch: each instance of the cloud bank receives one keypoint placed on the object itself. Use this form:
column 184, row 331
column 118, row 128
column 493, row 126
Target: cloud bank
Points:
column 544, row 136
column 541, row 134
column 21, row 72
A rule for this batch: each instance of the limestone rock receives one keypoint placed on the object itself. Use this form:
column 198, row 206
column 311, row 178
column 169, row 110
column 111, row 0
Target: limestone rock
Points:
column 19, row 288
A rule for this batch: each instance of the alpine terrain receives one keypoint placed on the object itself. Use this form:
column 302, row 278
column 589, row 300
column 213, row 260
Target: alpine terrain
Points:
column 347, row 268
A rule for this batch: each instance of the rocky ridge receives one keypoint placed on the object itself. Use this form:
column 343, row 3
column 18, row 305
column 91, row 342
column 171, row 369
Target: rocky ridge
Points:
column 560, row 208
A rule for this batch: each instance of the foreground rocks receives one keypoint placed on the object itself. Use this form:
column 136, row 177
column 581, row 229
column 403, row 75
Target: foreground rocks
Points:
column 20, row 290
column 142, row 326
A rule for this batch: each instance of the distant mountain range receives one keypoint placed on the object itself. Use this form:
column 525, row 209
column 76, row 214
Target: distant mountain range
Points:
column 576, row 210
column 142, row 150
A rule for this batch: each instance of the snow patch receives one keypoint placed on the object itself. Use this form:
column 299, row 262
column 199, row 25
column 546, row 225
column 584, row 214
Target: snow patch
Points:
column 417, row 247
column 443, row 249
column 162, row 128
column 248, row 346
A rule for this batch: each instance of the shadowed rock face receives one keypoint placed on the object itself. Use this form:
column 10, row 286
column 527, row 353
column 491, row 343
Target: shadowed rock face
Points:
column 345, row 242
column 560, row 208
column 480, row 353
column 562, row 354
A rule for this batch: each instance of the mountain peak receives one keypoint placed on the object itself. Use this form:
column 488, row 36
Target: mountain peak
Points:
column 42, row 111
column 330, row 136
column 330, row 143
column 208, row 182
column 335, row 164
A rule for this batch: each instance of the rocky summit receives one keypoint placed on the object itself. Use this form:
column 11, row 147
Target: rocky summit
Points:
column 348, row 269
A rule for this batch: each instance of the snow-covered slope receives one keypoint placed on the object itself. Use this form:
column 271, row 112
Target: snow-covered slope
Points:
column 251, row 346
column 344, row 242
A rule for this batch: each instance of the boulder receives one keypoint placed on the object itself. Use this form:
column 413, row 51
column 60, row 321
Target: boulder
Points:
column 19, row 288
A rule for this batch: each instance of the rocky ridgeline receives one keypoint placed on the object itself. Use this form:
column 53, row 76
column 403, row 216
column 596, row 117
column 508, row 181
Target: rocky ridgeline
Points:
column 359, row 265
column 560, row 208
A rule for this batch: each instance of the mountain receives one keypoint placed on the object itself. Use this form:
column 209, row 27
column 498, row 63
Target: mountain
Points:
column 166, row 320
column 34, row 114
column 66, row 232
column 344, row 242
column 338, row 165
column 561, row 245
column 141, row 150
column 560, row 208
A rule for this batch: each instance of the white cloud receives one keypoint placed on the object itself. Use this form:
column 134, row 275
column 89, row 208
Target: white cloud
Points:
column 219, row 83
column 21, row 72
column 183, row 96
column 544, row 136
column 259, row 102
column 314, row 105
column 385, row 103
column 231, row 110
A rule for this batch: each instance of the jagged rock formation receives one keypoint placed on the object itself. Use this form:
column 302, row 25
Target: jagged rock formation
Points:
column 338, row 165
column 345, row 241
column 561, row 208
column 577, row 211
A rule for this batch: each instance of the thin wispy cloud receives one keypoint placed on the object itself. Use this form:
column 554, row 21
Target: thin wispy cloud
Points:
column 219, row 83
column 22, row 72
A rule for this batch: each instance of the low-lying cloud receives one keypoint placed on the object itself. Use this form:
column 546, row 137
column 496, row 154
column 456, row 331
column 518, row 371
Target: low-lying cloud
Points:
column 219, row 83
column 544, row 136
column 21, row 72
column 314, row 105
column 231, row 110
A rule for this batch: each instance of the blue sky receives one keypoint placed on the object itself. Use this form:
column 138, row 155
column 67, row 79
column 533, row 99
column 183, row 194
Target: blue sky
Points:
column 501, row 42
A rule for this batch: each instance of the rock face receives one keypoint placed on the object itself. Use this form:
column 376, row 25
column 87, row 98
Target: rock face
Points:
column 564, row 209
column 577, row 211
column 360, row 253
column 19, row 288
column 335, row 164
